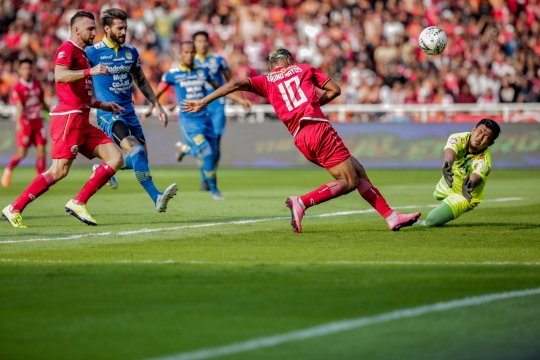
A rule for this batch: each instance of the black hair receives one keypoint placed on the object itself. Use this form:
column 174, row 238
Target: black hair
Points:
column 80, row 14
column 203, row 33
column 110, row 14
column 186, row 42
column 27, row 61
column 491, row 125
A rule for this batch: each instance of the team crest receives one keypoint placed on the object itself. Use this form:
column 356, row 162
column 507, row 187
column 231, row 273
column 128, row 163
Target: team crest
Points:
column 212, row 60
column 200, row 72
column 74, row 149
column 61, row 54
column 129, row 55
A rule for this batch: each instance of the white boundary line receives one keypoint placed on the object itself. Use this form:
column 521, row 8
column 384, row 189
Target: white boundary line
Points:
column 345, row 325
column 238, row 222
column 293, row 263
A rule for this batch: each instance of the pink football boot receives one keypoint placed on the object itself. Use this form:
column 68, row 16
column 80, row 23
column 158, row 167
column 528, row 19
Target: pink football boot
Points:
column 402, row 220
column 297, row 212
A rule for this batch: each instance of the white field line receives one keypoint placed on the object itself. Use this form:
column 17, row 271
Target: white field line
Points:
column 345, row 325
column 293, row 263
column 238, row 222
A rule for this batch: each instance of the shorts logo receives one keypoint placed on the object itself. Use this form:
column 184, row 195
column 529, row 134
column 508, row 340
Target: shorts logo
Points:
column 61, row 54
column 453, row 141
column 74, row 149
column 32, row 197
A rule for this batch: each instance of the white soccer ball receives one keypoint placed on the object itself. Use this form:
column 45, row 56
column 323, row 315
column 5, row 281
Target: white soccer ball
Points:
column 432, row 40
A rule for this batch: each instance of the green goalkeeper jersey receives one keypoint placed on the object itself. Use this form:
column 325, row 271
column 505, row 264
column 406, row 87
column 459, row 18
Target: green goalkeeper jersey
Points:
column 466, row 164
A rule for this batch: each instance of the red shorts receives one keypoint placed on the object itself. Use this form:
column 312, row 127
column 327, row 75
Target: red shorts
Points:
column 31, row 135
column 72, row 134
column 321, row 145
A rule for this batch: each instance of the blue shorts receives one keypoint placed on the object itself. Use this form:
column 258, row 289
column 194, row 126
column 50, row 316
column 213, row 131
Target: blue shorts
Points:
column 106, row 121
column 198, row 133
column 217, row 113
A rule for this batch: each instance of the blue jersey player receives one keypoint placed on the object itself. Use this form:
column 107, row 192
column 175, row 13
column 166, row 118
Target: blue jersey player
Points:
column 220, row 72
column 189, row 82
column 122, row 61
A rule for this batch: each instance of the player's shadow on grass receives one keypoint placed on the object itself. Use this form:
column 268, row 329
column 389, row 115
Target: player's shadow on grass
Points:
column 512, row 226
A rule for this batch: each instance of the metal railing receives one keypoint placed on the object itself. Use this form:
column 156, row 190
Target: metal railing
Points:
column 423, row 113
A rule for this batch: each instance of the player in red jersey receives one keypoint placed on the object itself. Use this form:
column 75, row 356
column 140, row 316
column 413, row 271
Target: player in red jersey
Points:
column 71, row 131
column 290, row 89
column 27, row 96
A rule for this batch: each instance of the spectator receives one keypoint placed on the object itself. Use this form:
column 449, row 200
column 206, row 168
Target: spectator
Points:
column 465, row 96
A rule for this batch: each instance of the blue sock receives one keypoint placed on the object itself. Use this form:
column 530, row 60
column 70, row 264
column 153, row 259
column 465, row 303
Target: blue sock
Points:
column 128, row 163
column 208, row 169
column 142, row 172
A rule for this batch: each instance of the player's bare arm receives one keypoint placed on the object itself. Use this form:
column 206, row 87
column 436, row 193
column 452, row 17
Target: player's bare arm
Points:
column 63, row 75
column 45, row 106
column 332, row 91
column 246, row 104
column 145, row 87
column 161, row 90
column 228, row 88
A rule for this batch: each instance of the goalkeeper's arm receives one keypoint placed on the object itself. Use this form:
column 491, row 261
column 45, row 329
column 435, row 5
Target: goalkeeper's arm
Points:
column 449, row 158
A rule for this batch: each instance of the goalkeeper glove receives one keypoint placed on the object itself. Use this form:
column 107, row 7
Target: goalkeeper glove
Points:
column 448, row 174
column 467, row 188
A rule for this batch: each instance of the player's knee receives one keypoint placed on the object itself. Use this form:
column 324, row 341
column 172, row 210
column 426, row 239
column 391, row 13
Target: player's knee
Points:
column 137, row 150
column 58, row 173
column 115, row 160
column 349, row 183
column 207, row 152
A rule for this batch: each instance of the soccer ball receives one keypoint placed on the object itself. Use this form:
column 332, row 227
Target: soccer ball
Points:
column 432, row 40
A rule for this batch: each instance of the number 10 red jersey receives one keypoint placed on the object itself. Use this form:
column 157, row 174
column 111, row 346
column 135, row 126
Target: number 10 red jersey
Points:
column 291, row 91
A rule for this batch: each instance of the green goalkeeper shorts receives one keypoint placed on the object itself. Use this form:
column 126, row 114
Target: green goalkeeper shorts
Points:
column 457, row 202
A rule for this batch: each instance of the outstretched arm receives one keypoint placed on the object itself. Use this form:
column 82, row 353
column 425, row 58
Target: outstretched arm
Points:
column 246, row 104
column 63, row 75
column 146, row 89
column 332, row 91
column 228, row 88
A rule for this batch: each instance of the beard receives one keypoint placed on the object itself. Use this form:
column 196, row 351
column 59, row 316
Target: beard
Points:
column 117, row 39
column 89, row 41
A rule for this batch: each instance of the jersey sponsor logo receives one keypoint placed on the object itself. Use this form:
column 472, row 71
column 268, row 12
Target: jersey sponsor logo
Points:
column 118, row 69
column 192, row 83
column 481, row 166
column 99, row 45
column 106, row 57
column 129, row 55
column 453, row 141
column 120, row 59
column 61, row 54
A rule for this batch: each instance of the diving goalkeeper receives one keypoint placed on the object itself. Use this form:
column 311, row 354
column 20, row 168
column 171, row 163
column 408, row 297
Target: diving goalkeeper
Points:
column 466, row 166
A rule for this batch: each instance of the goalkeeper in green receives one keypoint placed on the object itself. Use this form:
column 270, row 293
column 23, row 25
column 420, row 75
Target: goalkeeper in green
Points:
column 466, row 166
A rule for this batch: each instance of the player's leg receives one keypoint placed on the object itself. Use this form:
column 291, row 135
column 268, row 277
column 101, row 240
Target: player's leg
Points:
column 211, row 178
column 58, row 170
column 40, row 140
column 15, row 159
column 193, row 131
column 134, row 144
column 453, row 206
column 96, row 144
column 217, row 114
column 394, row 219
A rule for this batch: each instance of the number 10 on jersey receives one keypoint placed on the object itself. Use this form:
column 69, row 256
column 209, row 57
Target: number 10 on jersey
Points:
column 293, row 91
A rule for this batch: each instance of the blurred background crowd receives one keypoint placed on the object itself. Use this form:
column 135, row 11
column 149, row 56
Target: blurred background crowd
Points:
column 369, row 47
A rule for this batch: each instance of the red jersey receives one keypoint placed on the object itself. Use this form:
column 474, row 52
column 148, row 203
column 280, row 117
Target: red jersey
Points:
column 291, row 91
column 30, row 95
column 76, row 96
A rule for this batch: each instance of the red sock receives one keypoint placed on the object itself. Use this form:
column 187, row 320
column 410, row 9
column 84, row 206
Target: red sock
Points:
column 322, row 194
column 14, row 161
column 40, row 164
column 372, row 195
column 100, row 177
column 39, row 186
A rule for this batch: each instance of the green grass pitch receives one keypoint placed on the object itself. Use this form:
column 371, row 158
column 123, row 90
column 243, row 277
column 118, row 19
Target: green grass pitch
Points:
column 204, row 277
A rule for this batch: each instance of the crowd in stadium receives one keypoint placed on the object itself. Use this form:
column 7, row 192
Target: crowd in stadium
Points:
column 368, row 47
